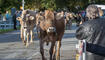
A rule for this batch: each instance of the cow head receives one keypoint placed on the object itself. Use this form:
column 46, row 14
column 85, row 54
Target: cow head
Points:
column 59, row 15
column 25, row 18
column 19, row 19
column 50, row 22
column 46, row 21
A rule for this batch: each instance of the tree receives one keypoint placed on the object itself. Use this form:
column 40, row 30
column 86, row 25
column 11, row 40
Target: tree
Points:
column 8, row 4
column 48, row 4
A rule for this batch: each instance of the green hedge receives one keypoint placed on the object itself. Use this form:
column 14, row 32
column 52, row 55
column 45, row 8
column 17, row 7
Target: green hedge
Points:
column 5, row 30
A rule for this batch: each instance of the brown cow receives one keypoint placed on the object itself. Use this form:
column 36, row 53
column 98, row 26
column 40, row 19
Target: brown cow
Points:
column 27, row 21
column 51, row 29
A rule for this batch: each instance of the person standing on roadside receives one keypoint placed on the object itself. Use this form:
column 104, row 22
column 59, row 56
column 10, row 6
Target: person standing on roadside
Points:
column 14, row 21
column 93, row 31
column 7, row 16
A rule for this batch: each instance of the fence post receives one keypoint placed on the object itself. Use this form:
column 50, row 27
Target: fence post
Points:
column 84, row 49
column 81, row 50
column 23, row 4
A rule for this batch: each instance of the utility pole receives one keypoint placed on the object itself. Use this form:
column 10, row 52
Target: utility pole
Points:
column 23, row 4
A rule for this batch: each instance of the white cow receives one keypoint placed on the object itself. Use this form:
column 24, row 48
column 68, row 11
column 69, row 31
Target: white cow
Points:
column 28, row 22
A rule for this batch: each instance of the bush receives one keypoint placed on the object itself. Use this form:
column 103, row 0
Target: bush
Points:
column 5, row 30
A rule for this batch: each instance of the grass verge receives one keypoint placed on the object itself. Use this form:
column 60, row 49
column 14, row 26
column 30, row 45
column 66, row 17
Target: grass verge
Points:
column 5, row 30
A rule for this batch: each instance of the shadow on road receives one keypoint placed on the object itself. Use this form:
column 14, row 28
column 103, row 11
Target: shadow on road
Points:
column 15, row 35
column 69, row 35
column 12, row 37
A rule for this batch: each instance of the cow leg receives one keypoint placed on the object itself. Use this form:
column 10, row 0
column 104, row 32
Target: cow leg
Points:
column 21, row 33
column 27, row 42
column 58, row 50
column 70, row 24
column 22, row 37
column 65, row 23
column 51, row 49
column 54, row 52
column 42, row 49
column 25, row 36
column 31, row 32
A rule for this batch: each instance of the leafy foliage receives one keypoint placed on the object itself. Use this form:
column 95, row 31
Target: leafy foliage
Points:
column 72, row 5
column 8, row 4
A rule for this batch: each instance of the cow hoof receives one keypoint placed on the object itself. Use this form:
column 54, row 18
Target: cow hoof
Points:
column 58, row 58
column 31, row 41
column 24, row 42
column 27, row 45
column 54, row 58
column 45, row 59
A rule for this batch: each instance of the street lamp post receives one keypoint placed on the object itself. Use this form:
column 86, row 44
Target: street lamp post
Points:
column 23, row 4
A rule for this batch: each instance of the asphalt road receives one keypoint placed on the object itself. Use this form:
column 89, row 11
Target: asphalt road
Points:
column 12, row 48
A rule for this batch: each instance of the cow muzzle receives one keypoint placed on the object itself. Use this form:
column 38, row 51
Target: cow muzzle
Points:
column 51, row 29
column 25, row 27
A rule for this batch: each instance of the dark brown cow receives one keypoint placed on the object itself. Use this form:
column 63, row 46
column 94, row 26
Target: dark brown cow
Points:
column 51, row 29
column 28, row 22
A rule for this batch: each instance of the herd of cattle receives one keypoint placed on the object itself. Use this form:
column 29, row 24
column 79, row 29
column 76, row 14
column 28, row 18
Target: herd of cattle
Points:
column 50, row 27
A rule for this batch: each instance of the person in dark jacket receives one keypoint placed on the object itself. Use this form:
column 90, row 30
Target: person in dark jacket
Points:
column 96, row 49
column 93, row 31
column 14, row 21
column 78, row 19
